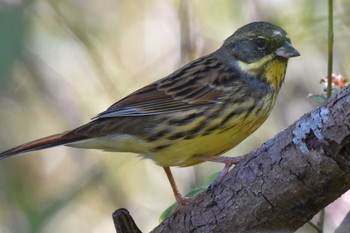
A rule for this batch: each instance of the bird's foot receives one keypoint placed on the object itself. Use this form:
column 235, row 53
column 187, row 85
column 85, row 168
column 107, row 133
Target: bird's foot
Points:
column 228, row 161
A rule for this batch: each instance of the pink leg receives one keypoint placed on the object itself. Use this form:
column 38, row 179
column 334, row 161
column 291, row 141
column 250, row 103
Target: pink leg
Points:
column 179, row 198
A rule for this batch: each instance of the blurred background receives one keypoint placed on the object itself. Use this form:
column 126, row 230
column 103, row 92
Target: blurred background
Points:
column 64, row 61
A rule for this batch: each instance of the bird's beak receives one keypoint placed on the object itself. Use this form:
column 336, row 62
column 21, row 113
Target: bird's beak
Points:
column 287, row 51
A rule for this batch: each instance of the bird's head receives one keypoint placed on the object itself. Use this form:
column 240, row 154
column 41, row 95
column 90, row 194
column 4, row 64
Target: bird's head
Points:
column 261, row 49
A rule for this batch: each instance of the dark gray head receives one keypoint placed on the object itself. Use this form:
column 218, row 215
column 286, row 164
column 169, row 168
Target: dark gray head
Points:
column 256, row 40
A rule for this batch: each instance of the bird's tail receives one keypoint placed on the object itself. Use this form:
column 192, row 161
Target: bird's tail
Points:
column 42, row 143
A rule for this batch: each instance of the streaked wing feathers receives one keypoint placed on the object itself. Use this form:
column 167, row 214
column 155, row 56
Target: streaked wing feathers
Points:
column 190, row 86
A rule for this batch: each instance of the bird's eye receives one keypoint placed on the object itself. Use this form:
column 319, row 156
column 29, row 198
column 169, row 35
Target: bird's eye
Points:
column 261, row 43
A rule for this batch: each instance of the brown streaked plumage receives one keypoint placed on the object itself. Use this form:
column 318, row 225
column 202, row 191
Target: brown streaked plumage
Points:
column 201, row 110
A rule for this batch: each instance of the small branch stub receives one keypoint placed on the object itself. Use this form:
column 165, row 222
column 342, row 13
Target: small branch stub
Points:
column 123, row 222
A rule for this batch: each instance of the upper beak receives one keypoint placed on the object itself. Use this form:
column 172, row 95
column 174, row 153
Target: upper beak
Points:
column 287, row 51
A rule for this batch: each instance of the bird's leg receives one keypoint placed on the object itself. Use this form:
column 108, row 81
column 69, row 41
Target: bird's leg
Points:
column 179, row 198
column 228, row 161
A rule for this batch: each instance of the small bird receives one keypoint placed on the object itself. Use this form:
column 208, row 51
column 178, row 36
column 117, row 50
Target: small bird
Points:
column 199, row 111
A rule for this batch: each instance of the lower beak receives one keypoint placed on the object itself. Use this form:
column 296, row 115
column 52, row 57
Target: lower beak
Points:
column 287, row 51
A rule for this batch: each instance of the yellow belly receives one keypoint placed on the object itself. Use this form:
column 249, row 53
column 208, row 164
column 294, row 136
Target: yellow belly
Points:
column 180, row 151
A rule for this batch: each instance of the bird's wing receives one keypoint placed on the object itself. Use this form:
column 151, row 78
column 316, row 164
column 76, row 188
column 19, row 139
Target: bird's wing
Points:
column 198, row 83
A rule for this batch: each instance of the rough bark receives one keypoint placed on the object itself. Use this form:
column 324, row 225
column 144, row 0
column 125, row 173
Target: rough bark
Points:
column 281, row 185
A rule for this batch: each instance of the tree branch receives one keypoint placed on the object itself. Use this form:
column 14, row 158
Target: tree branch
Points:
column 283, row 184
column 123, row 222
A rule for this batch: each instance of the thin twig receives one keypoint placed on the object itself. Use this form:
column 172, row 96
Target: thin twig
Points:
column 330, row 47
column 320, row 222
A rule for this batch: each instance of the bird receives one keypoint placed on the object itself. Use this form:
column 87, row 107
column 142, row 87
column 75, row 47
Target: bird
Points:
column 196, row 113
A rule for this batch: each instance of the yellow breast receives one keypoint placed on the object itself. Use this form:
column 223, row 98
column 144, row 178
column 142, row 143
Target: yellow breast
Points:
column 212, row 140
